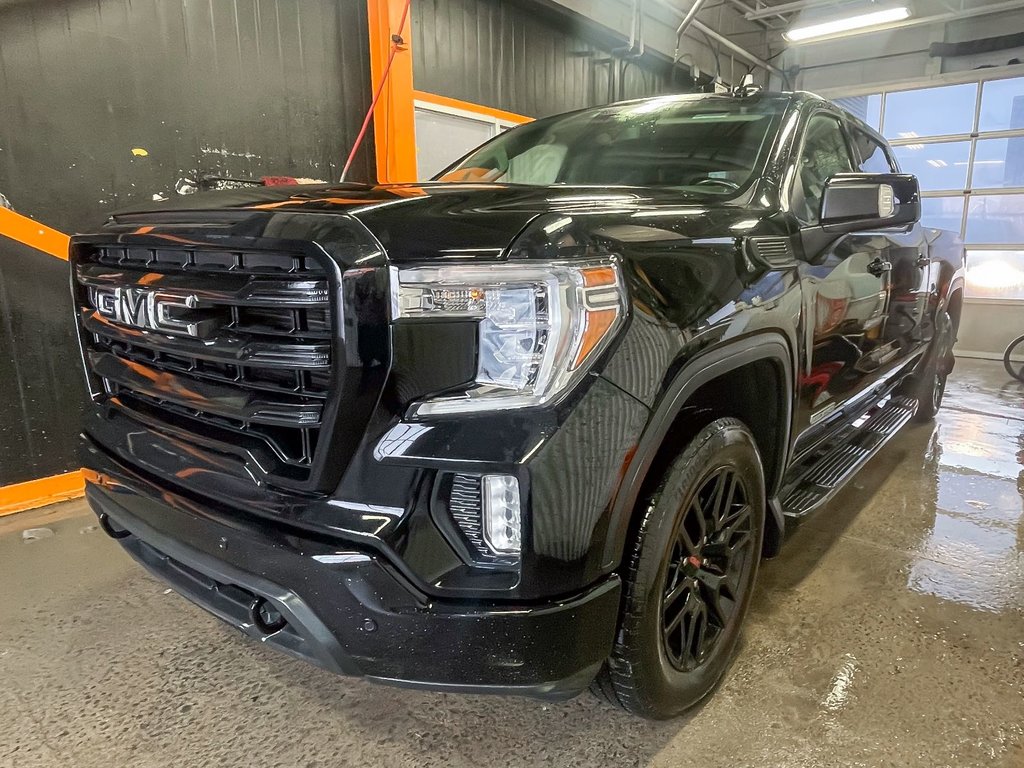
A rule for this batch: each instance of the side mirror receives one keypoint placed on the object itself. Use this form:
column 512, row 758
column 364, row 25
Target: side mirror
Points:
column 854, row 202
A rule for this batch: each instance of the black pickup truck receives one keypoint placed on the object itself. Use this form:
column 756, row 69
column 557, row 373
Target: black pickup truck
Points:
column 527, row 428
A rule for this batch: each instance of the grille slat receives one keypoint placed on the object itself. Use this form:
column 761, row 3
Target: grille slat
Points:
column 245, row 361
column 237, row 289
column 227, row 347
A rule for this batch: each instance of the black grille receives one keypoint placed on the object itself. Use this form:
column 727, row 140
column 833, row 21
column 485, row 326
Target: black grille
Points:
column 247, row 361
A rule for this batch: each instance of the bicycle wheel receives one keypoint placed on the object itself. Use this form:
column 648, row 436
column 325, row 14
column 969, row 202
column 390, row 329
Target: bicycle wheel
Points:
column 1013, row 358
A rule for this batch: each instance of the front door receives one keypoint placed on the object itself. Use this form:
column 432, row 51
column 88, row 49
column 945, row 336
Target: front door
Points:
column 846, row 286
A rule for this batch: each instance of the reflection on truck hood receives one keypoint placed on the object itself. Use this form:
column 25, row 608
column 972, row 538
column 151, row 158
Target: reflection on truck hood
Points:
column 423, row 221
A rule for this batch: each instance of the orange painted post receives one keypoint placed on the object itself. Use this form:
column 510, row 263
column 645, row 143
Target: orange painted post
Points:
column 394, row 130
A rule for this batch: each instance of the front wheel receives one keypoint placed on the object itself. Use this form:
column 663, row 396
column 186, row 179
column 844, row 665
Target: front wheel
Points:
column 1013, row 358
column 689, row 576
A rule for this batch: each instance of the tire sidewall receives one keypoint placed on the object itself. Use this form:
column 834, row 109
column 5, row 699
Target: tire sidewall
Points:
column 932, row 387
column 725, row 442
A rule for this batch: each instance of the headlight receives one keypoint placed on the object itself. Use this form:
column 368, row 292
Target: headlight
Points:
column 539, row 324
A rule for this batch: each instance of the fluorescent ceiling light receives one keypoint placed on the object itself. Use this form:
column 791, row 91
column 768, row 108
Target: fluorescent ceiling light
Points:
column 860, row 22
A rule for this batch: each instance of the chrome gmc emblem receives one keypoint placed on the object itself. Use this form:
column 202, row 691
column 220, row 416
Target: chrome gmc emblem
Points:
column 148, row 310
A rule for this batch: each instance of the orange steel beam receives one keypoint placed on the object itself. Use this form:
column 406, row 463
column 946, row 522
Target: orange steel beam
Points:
column 39, row 493
column 33, row 234
column 469, row 106
column 394, row 129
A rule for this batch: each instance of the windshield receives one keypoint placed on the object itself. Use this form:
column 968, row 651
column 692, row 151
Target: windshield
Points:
column 706, row 144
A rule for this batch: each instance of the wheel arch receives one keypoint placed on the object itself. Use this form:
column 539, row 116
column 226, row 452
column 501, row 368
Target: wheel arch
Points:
column 766, row 348
column 953, row 301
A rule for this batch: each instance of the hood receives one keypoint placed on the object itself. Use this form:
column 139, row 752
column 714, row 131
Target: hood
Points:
column 423, row 221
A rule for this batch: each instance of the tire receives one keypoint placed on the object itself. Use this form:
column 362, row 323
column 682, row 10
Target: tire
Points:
column 675, row 639
column 930, row 384
column 1016, row 370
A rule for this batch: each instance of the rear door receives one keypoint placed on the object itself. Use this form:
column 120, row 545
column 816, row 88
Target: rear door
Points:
column 912, row 282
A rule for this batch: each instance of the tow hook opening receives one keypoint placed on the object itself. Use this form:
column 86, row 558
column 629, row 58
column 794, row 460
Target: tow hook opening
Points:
column 266, row 617
column 108, row 528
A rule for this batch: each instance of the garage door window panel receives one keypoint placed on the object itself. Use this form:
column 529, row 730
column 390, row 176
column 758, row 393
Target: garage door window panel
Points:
column 904, row 111
column 1002, row 105
column 938, row 166
column 943, row 213
column 995, row 219
column 998, row 163
column 995, row 274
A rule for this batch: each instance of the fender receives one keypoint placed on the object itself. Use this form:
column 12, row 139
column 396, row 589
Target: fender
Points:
column 703, row 368
column 957, row 283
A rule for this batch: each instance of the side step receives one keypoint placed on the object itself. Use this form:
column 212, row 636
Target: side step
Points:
column 820, row 476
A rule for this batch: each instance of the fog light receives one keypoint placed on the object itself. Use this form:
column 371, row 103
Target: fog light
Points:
column 502, row 515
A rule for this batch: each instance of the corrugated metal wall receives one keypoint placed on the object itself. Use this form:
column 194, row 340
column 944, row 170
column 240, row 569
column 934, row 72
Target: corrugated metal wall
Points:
column 239, row 87
column 42, row 390
column 236, row 87
column 514, row 55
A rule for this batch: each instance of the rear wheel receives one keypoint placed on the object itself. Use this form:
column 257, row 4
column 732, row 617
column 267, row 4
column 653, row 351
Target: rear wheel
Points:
column 689, row 576
column 931, row 383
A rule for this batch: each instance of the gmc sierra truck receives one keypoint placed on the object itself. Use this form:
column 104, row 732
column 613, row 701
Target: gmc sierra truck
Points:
column 527, row 428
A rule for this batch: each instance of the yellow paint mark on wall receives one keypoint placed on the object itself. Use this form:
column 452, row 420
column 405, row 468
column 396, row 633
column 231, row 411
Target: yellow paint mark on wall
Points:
column 140, row 152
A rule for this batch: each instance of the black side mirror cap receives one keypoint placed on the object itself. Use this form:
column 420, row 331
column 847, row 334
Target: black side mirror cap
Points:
column 855, row 202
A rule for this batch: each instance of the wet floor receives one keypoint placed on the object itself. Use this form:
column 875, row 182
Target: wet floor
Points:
column 890, row 632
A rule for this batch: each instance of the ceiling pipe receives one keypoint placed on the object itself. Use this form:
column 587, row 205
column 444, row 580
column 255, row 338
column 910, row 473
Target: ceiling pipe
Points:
column 754, row 14
column 743, row 53
column 688, row 19
column 747, row 10
column 938, row 18
column 722, row 40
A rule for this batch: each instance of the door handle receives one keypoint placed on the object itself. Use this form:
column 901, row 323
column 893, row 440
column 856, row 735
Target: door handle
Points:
column 879, row 267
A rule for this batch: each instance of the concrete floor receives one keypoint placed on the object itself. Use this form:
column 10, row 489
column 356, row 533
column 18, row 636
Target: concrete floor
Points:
column 890, row 632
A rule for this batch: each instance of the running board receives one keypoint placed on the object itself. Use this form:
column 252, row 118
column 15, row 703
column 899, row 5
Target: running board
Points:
column 818, row 478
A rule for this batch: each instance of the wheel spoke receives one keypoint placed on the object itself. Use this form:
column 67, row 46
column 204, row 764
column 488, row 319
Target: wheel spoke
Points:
column 714, row 600
column 685, row 535
column 696, row 631
column 725, row 485
column 732, row 538
column 681, row 588
column 675, row 622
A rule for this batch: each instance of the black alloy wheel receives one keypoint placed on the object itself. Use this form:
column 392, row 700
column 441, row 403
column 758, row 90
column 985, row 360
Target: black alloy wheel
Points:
column 931, row 382
column 711, row 556
column 688, row 575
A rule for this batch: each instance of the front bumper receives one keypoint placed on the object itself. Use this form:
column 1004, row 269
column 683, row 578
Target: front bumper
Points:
column 347, row 610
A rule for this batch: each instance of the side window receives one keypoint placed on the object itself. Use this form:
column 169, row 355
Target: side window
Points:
column 824, row 154
column 874, row 158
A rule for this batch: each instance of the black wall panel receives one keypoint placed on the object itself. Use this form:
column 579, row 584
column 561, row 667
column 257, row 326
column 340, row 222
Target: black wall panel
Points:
column 234, row 87
column 518, row 56
column 239, row 87
column 42, row 389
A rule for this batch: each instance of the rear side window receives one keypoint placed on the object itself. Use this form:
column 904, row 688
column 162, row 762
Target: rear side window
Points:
column 873, row 157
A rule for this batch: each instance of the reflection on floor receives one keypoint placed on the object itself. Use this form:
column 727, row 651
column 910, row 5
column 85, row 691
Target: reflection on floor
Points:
column 889, row 632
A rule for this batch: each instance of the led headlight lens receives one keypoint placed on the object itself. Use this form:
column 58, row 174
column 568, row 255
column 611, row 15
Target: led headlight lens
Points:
column 539, row 325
